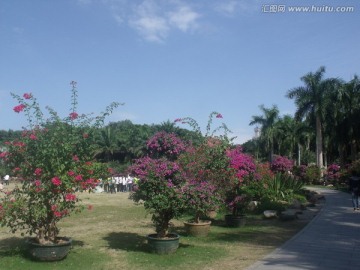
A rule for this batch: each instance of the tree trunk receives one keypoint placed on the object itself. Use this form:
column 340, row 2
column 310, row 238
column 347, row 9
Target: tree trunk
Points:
column 341, row 154
column 353, row 150
column 319, row 148
column 299, row 154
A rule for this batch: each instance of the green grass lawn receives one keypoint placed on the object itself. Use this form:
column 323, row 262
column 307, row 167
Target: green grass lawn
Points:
column 112, row 236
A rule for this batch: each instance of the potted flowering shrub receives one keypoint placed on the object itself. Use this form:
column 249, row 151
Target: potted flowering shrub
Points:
column 200, row 197
column 159, row 188
column 237, row 198
column 206, row 167
column 53, row 159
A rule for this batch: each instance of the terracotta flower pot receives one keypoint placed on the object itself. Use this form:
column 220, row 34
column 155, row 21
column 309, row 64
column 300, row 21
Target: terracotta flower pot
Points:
column 197, row 229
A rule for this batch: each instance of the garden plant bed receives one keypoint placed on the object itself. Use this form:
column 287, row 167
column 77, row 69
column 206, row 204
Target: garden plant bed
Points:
column 113, row 236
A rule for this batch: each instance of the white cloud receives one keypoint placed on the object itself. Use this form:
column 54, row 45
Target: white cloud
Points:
column 149, row 23
column 154, row 20
column 151, row 28
column 183, row 18
column 227, row 8
column 230, row 7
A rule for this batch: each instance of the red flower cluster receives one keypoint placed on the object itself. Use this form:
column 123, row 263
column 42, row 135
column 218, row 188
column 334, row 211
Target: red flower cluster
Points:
column 19, row 108
column 56, row 181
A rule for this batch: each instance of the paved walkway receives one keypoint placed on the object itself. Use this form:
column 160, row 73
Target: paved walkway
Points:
column 330, row 241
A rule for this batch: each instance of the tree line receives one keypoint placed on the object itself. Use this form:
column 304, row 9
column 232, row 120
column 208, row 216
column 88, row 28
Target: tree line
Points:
column 324, row 129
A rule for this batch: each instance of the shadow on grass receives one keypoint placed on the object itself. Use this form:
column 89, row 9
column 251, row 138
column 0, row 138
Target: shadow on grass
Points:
column 12, row 246
column 258, row 232
column 130, row 242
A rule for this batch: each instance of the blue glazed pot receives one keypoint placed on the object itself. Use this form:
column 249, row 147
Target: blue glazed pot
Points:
column 166, row 245
column 51, row 252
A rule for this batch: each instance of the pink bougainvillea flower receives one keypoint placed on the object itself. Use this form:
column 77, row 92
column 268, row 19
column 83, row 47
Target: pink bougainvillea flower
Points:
column 53, row 208
column 3, row 154
column 219, row 115
column 70, row 197
column 79, row 177
column 38, row 171
column 33, row 136
column 71, row 173
column 37, row 183
column 56, row 181
column 57, row 214
column 27, row 96
column 75, row 158
column 73, row 115
column 85, row 135
column 178, row 120
column 19, row 108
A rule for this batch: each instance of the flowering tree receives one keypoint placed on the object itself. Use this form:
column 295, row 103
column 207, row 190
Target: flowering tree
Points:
column 160, row 181
column 206, row 167
column 243, row 166
column 282, row 165
column 333, row 173
column 209, row 131
column 53, row 159
column 164, row 144
column 201, row 197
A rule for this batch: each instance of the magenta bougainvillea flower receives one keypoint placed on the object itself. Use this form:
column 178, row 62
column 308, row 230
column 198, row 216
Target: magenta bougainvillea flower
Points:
column 27, row 95
column 19, row 108
column 73, row 115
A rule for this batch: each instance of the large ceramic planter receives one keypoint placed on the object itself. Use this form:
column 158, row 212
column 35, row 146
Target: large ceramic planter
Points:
column 197, row 229
column 235, row 221
column 166, row 245
column 211, row 214
column 51, row 252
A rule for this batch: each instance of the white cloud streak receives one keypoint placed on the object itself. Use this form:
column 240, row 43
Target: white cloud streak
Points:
column 154, row 22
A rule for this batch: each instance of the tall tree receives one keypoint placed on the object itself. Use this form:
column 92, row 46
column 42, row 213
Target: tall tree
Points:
column 267, row 121
column 312, row 99
column 107, row 143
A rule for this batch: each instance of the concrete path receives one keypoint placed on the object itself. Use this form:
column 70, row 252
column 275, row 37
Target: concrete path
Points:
column 330, row 241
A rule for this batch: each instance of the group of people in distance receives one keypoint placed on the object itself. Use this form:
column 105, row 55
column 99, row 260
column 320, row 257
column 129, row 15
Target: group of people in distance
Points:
column 118, row 183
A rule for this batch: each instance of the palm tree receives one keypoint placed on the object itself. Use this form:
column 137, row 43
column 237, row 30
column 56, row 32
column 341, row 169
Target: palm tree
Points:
column 312, row 99
column 107, row 143
column 345, row 118
column 267, row 121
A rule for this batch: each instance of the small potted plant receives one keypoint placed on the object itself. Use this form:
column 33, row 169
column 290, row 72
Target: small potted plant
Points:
column 53, row 159
column 237, row 203
column 200, row 197
column 158, row 187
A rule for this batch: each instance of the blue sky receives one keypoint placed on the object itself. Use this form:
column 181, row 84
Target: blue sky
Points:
column 171, row 59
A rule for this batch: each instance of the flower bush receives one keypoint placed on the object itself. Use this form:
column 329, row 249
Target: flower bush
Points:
column 282, row 165
column 208, row 160
column 159, row 185
column 200, row 197
column 244, row 167
column 206, row 167
column 333, row 173
column 53, row 159
column 164, row 144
